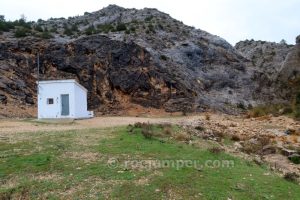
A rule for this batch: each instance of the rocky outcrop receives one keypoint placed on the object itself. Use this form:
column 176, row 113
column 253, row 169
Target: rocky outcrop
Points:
column 290, row 69
column 277, row 68
column 267, row 57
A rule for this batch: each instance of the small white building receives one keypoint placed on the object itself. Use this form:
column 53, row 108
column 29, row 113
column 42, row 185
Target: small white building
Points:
column 62, row 99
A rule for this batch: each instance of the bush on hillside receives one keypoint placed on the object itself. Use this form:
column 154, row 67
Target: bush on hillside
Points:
column 121, row 27
column 297, row 106
column 22, row 32
column 90, row 30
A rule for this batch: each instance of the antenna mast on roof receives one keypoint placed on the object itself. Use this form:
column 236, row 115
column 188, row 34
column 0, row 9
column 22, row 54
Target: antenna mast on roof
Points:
column 38, row 71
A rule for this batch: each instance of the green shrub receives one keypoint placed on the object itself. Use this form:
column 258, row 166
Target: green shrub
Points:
column 151, row 28
column 90, row 30
column 4, row 25
column 38, row 28
column 53, row 30
column 22, row 32
column 149, row 18
column 23, row 23
column 68, row 31
column 297, row 106
column 74, row 28
column 46, row 35
column 163, row 57
column 295, row 160
column 121, row 27
column 132, row 29
column 106, row 28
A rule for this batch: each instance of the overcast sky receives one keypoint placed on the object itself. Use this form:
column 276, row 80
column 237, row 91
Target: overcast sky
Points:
column 234, row 20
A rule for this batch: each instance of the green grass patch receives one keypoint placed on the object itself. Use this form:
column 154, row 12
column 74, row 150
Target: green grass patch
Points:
column 60, row 165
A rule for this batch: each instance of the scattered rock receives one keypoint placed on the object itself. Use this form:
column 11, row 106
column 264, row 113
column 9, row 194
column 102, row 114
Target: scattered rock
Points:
column 291, row 176
column 269, row 149
column 287, row 152
column 237, row 146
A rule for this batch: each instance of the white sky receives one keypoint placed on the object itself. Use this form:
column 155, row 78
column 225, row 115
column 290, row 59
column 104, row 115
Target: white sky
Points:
column 234, row 20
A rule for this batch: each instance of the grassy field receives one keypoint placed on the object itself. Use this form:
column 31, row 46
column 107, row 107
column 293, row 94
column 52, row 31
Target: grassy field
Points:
column 116, row 163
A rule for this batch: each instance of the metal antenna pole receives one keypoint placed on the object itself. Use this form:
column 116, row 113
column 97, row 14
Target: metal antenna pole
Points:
column 38, row 71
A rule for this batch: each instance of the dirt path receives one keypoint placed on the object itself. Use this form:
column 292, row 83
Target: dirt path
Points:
column 18, row 126
column 236, row 124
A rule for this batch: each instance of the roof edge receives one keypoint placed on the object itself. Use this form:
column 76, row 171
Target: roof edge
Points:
column 62, row 81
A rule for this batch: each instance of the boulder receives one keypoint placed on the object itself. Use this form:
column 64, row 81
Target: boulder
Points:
column 268, row 149
column 287, row 152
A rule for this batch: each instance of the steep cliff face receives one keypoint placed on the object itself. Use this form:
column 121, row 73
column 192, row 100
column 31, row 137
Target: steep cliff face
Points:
column 115, row 71
column 289, row 74
column 277, row 67
column 267, row 57
column 290, row 69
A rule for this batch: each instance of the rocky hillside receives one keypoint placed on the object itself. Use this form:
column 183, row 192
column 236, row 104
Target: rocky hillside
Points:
column 128, row 57
column 277, row 67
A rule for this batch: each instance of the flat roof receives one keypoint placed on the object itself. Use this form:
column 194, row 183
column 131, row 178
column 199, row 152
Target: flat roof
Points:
column 62, row 81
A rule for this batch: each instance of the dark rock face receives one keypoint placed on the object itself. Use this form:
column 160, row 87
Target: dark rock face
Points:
column 111, row 70
column 117, row 73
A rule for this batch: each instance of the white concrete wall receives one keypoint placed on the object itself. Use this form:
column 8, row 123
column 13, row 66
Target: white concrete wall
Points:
column 55, row 90
column 80, row 102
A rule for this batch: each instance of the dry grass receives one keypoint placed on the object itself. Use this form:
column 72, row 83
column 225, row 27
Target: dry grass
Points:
column 256, row 145
column 182, row 136
column 216, row 150
column 207, row 117
column 167, row 130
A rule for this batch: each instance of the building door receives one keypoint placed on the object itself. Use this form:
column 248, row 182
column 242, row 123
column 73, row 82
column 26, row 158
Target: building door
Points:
column 65, row 108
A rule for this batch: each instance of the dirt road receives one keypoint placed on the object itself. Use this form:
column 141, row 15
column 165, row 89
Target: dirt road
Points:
column 237, row 124
column 17, row 126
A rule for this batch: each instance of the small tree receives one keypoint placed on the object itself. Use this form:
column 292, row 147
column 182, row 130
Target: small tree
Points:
column 2, row 18
column 22, row 32
column 90, row 30
column 297, row 106
column 68, row 31
column 121, row 27
column 74, row 28
column 38, row 28
column 283, row 41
